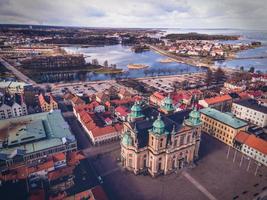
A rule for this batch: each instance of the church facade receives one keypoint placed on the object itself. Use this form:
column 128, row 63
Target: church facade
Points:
column 160, row 141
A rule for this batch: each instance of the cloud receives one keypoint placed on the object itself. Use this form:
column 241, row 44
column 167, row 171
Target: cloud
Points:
column 244, row 14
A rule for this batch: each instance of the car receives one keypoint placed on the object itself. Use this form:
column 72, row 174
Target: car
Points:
column 100, row 179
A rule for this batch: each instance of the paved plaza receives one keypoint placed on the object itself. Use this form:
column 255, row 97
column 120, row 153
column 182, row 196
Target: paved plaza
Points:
column 215, row 177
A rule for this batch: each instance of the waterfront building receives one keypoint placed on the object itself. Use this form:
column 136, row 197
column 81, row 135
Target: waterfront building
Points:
column 12, row 105
column 252, row 146
column 35, row 145
column 251, row 111
column 52, row 62
column 47, row 102
column 160, row 143
column 13, row 87
column 222, row 126
column 222, row 103
column 101, row 127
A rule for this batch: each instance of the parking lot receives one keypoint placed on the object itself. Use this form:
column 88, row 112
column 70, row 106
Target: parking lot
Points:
column 214, row 177
column 165, row 84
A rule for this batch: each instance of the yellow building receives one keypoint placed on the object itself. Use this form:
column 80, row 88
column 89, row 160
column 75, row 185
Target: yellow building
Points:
column 222, row 126
column 47, row 103
column 160, row 144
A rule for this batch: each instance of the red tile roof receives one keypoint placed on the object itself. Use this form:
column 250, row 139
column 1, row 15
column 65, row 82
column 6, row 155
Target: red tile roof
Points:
column 123, row 111
column 252, row 141
column 218, row 99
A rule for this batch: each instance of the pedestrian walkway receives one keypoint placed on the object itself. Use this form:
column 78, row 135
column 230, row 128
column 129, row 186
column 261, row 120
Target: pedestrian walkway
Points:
column 200, row 187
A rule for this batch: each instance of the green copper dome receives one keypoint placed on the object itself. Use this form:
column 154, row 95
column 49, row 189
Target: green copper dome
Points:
column 158, row 126
column 136, row 111
column 194, row 118
column 167, row 104
column 127, row 140
column 136, row 107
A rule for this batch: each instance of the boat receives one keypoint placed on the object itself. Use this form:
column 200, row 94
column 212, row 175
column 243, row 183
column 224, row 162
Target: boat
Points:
column 137, row 66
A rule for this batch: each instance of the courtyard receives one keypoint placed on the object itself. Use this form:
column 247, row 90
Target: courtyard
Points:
column 219, row 174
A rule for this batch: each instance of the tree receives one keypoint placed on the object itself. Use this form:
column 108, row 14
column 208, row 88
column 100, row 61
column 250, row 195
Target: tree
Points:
column 251, row 69
column 95, row 62
column 209, row 76
column 105, row 63
column 242, row 68
column 219, row 75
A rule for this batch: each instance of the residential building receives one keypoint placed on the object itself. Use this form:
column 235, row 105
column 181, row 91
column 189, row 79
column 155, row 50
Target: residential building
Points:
column 251, row 111
column 222, row 126
column 47, row 102
column 122, row 112
column 12, row 106
column 101, row 127
column 157, row 143
column 222, row 103
column 252, row 146
column 124, row 94
column 13, row 87
column 35, row 145
column 52, row 62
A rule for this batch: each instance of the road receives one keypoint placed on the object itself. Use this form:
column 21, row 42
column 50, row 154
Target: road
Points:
column 180, row 59
column 17, row 73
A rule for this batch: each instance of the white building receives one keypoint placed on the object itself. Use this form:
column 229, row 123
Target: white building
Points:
column 235, row 86
column 12, row 106
column 251, row 111
column 13, row 87
column 252, row 146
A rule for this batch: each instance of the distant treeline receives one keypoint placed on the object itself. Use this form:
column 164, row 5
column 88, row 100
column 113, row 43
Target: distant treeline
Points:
column 198, row 36
column 93, row 40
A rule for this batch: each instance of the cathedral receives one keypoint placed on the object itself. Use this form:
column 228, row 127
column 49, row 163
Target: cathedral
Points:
column 160, row 141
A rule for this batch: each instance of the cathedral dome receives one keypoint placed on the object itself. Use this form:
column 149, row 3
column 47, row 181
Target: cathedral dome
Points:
column 136, row 108
column 158, row 125
column 194, row 118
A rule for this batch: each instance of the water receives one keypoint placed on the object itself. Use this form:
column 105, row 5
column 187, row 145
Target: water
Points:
column 122, row 56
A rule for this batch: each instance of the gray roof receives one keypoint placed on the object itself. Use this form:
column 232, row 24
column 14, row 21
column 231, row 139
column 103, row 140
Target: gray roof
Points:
column 35, row 132
column 252, row 104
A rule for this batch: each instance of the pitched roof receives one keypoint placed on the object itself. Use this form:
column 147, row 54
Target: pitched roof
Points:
column 252, row 141
column 252, row 104
column 123, row 111
column 218, row 99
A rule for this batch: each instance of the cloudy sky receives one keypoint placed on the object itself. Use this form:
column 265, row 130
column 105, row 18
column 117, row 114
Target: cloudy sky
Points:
column 244, row 14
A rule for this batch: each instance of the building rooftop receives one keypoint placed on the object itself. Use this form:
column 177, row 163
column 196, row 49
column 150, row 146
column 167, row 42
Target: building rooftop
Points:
column 6, row 84
column 34, row 132
column 223, row 117
column 252, row 104
column 218, row 99
column 252, row 141
column 173, row 121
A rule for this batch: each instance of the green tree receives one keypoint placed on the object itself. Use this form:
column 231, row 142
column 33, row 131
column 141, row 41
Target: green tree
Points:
column 251, row 69
column 209, row 76
column 219, row 75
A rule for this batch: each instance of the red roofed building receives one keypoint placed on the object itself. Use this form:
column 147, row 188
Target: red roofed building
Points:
column 95, row 193
column 252, row 146
column 99, row 126
column 47, row 102
column 122, row 112
column 156, row 98
column 222, row 103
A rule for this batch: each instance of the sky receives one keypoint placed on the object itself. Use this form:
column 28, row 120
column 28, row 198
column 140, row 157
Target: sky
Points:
column 237, row 14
